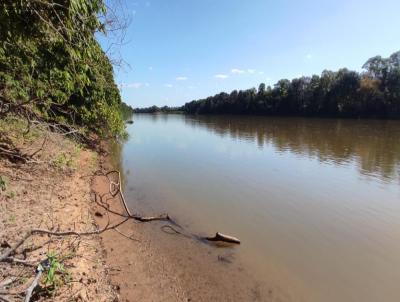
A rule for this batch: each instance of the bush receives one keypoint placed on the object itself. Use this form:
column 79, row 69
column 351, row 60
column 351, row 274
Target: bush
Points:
column 52, row 65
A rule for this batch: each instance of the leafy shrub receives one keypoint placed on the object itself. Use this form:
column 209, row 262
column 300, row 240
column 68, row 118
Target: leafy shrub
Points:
column 51, row 63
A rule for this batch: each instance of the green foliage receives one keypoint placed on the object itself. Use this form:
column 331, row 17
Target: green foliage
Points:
column 10, row 194
column 4, row 187
column 3, row 183
column 156, row 109
column 65, row 161
column 126, row 111
column 54, row 267
column 50, row 59
column 345, row 93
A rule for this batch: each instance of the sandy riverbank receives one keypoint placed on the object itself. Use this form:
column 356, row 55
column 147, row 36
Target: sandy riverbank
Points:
column 51, row 192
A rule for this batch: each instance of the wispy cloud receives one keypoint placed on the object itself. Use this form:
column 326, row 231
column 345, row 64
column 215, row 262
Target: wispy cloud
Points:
column 309, row 56
column 168, row 85
column 135, row 85
column 221, row 76
column 181, row 78
column 237, row 71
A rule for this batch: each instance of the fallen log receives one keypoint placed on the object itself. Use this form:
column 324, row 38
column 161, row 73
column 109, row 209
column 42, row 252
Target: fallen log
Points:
column 225, row 238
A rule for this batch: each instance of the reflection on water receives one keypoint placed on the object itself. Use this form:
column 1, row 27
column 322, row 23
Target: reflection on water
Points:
column 374, row 144
column 315, row 201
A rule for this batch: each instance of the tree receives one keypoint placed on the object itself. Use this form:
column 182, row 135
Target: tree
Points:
column 344, row 93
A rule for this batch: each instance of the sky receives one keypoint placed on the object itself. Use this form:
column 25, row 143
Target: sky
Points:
column 176, row 51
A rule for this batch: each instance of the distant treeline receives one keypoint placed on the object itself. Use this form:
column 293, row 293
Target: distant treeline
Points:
column 155, row 109
column 375, row 92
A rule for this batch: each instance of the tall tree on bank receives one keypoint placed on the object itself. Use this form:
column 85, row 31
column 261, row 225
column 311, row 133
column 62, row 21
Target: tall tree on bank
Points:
column 375, row 92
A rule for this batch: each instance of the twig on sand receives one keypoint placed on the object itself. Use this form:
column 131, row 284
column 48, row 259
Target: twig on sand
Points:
column 29, row 290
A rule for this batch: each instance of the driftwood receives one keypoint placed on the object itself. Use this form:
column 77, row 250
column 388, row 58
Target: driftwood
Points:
column 225, row 238
column 35, row 282
column 115, row 189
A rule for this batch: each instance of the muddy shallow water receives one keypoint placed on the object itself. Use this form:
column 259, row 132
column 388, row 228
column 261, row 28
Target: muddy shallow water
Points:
column 316, row 203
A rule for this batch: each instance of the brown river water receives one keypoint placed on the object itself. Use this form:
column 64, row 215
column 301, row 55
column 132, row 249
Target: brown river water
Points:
column 316, row 202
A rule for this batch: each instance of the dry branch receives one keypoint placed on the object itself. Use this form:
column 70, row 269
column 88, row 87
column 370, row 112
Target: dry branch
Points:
column 115, row 189
column 29, row 291
column 6, row 254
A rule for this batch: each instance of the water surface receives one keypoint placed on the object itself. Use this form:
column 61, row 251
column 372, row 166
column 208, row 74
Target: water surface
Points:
column 316, row 202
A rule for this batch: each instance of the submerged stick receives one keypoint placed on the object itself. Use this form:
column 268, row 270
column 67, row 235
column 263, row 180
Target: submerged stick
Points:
column 225, row 238
column 115, row 189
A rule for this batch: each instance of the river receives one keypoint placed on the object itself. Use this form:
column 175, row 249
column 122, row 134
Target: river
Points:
column 316, row 202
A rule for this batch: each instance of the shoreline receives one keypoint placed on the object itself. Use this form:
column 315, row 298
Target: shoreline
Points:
column 150, row 264
column 136, row 271
column 136, row 261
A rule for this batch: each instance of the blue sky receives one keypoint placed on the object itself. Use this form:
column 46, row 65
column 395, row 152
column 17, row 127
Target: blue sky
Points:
column 180, row 50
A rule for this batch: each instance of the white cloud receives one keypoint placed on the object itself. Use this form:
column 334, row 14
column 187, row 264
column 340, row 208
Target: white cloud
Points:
column 130, row 85
column 221, row 76
column 168, row 85
column 181, row 78
column 309, row 56
column 237, row 71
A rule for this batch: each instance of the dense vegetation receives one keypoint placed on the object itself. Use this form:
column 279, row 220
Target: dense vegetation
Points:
column 52, row 67
column 345, row 93
column 126, row 111
column 156, row 109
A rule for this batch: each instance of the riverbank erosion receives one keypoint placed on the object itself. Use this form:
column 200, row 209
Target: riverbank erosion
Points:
column 45, row 198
